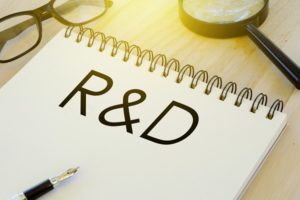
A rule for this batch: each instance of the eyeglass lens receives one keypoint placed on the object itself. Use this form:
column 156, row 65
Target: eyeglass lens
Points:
column 79, row 11
column 20, row 33
column 17, row 35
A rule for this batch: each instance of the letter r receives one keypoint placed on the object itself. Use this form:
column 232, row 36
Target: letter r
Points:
column 84, row 91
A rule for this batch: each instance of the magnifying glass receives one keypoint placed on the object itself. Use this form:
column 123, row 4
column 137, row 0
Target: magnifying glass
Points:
column 231, row 18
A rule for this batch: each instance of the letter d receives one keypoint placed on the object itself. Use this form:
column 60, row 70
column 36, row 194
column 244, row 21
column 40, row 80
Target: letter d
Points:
column 194, row 114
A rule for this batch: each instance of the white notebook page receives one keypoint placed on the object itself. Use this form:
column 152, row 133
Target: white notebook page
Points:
column 40, row 139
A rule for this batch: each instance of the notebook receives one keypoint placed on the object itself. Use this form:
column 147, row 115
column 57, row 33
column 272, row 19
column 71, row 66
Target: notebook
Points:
column 139, row 125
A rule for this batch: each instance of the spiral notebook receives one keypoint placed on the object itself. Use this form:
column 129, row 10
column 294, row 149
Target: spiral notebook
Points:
column 139, row 125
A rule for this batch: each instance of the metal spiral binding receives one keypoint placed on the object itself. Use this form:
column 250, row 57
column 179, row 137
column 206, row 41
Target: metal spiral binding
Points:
column 189, row 70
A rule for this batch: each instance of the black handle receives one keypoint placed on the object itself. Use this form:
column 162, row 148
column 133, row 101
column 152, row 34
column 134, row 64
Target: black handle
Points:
column 39, row 190
column 280, row 59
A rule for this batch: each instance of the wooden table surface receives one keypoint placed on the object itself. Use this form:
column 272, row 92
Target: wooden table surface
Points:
column 154, row 24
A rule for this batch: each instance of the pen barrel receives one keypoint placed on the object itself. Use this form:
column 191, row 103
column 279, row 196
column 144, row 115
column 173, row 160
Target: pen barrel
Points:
column 39, row 190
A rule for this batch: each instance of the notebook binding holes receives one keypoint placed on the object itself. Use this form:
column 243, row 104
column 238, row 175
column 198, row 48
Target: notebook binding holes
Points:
column 171, row 64
column 131, row 50
column 160, row 57
column 214, row 81
column 70, row 29
column 189, row 70
column 84, row 32
column 141, row 58
column 244, row 93
column 197, row 77
column 126, row 50
column 276, row 106
column 261, row 99
column 229, row 87
column 183, row 71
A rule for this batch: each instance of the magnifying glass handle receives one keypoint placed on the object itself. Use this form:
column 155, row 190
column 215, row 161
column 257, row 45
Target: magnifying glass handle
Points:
column 280, row 59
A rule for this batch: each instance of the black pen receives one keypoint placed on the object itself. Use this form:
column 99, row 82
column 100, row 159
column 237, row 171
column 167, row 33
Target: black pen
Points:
column 44, row 187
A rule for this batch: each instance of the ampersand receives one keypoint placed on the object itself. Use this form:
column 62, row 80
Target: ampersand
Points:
column 126, row 104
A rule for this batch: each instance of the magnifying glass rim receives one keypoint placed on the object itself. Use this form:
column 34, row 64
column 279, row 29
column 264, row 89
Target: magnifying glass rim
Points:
column 222, row 30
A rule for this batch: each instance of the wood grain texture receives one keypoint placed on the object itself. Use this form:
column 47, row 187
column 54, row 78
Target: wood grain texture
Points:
column 154, row 24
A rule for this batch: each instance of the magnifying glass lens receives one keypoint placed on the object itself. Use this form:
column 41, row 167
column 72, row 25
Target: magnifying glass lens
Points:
column 222, row 11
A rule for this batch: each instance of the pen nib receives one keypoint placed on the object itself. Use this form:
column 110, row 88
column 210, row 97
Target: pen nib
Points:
column 66, row 175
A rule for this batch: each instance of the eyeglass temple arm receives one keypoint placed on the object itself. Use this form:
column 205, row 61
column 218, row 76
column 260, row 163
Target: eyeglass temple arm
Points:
column 2, row 45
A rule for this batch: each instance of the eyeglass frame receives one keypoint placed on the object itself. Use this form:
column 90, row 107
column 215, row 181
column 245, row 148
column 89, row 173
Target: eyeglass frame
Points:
column 39, row 15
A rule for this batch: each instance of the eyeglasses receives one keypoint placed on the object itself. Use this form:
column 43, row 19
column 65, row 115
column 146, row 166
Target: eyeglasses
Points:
column 25, row 28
